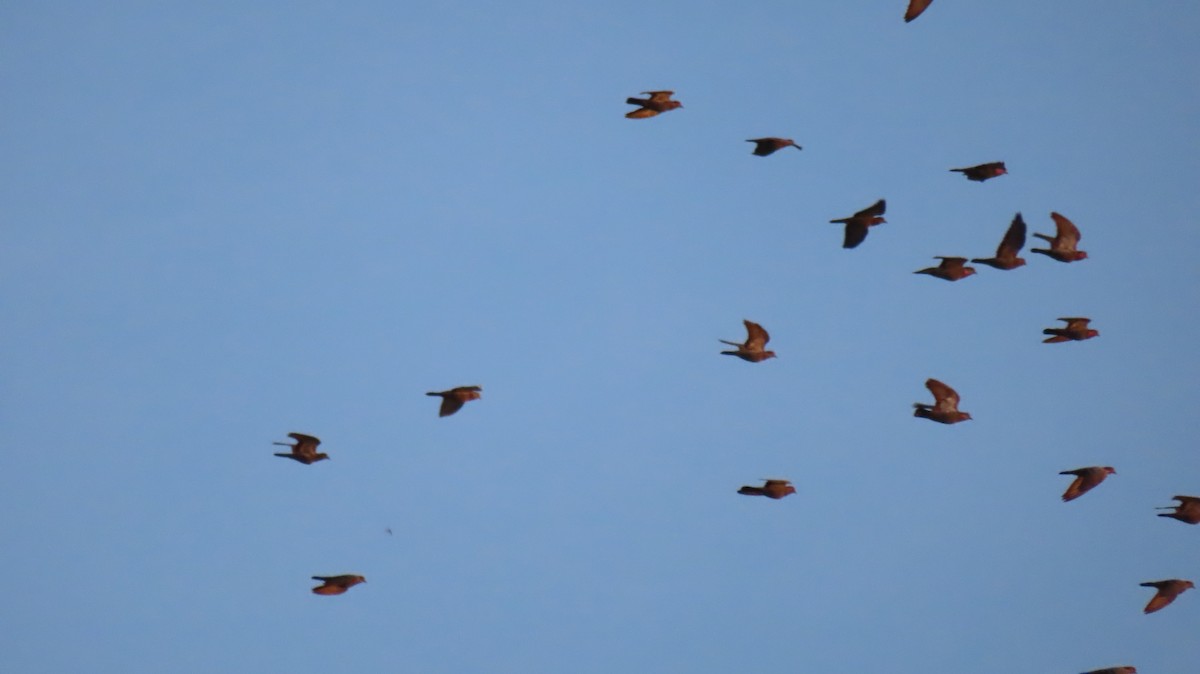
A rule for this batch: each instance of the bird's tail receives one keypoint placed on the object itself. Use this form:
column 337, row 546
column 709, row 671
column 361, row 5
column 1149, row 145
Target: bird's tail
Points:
column 637, row 101
column 283, row 444
column 1057, row 338
column 726, row 341
column 752, row 491
column 1044, row 237
column 433, row 393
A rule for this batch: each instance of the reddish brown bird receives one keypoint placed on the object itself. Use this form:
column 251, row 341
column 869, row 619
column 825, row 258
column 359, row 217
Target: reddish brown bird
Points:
column 1187, row 511
column 983, row 171
column 915, row 7
column 944, row 410
column 752, row 349
column 775, row 489
column 768, row 146
column 659, row 101
column 1085, row 480
column 1062, row 244
column 304, row 451
column 858, row 224
column 455, row 398
column 951, row 268
column 1167, row 591
column 1114, row 670
column 336, row 584
column 1012, row 243
column 1077, row 330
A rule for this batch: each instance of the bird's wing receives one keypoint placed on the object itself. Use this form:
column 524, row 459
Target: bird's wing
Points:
column 951, row 262
column 875, row 209
column 305, row 444
column 757, row 336
column 1068, row 233
column 450, row 405
column 915, row 7
column 946, row 397
column 856, row 233
column 1014, row 238
column 659, row 96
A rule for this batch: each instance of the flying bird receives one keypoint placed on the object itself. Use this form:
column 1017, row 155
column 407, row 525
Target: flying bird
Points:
column 304, row 451
column 857, row 224
column 336, row 584
column 944, row 410
column 1167, row 591
column 659, row 101
column 752, row 349
column 1085, row 480
column 915, row 7
column 983, row 171
column 768, row 146
column 455, row 398
column 775, row 489
column 1187, row 511
column 1077, row 330
column 1114, row 670
column 1062, row 244
column 951, row 268
column 1006, row 254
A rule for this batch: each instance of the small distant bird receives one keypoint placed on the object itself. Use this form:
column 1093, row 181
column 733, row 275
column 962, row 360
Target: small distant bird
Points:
column 951, row 268
column 1077, row 330
column 455, row 398
column 983, row 171
column 775, row 489
column 857, row 224
column 1187, row 511
column 1114, row 670
column 304, row 451
column 1006, row 255
column 1167, row 591
column 915, row 7
column 752, row 349
column 1062, row 244
column 336, row 584
column 659, row 101
column 944, row 410
column 1085, row 480
column 768, row 146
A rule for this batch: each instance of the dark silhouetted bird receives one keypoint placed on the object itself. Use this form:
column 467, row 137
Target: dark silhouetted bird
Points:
column 455, row 398
column 752, row 349
column 1077, row 330
column 1167, row 591
column 1062, row 244
column 1187, row 511
column 857, row 224
column 1114, row 670
column 983, row 171
column 336, row 584
column 1006, row 255
column 944, row 410
column 951, row 268
column 1085, row 480
column 305, row 449
column 768, row 146
column 659, row 101
column 775, row 489
column 915, row 7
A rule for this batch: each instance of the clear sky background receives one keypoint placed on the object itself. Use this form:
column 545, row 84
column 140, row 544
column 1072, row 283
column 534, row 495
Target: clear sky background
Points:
column 223, row 223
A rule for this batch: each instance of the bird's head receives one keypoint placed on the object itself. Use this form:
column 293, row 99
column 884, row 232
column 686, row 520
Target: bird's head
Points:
column 769, row 354
column 1080, row 255
column 1109, row 470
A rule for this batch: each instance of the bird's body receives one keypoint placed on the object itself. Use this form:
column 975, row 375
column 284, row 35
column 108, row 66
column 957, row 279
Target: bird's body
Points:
column 455, row 398
column 1077, row 330
column 858, row 224
column 915, row 7
column 659, row 102
column 1168, row 590
column 775, row 489
column 1085, row 480
column 1006, row 254
column 983, row 171
column 331, row 585
column 944, row 410
column 768, row 146
column 951, row 269
column 1063, row 243
column 1188, row 510
column 752, row 350
column 304, row 451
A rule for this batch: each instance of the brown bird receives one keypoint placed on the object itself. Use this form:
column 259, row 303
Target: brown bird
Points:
column 983, row 171
column 1187, row 511
column 1167, row 591
column 944, row 410
column 951, row 268
column 1062, row 244
column 915, row 7
column 1085, row 480
column 455, row 398
column 857, row 224
column 336, row 584
column 1006, row 254
column 659, row 101
column 1114, row 670
column 1077, row 330
column 768, row 146
column 775, row 489
column 752, row 349
column 305, row 449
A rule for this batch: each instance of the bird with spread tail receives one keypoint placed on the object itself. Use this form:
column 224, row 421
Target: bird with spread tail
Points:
column 1077, row 330
column 1168, row 590
column 951, row 268
column 659, row 101
column 944, row 410
column 1188, row 510
column 1006, row 254
column 304, row 451
column 767, row 146
column 915, row 7
column 771, row 488
column 752, row 350
column 455, row 398
column 331, row 585
column 1063, row 243
column 1085, row 480
column 983, row 171
column 858, row 224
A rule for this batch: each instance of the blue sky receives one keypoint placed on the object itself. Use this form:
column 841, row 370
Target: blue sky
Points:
column 225, row 223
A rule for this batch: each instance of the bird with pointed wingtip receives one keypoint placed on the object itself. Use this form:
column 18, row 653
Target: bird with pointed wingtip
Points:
column 1085, row 480
column 1168, row 590
column 951, row 268
column 659, row 101
column 331, row 585
column 915, row 7
column 752, row 350
column 858, row 224
column 944, row 410
column 1077, row 330
column 1114, row 670
column 767, row 146
column 771, row 488
column 983, row 171
column 304, row 451
column 455, row 398
column 1006, row 254
column 1188, row 510
column 1063, row 243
